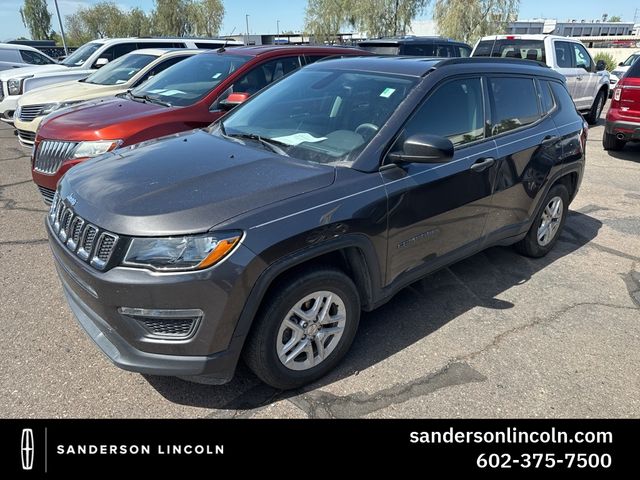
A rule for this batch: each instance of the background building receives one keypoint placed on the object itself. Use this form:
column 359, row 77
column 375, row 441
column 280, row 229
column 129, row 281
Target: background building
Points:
column 571, row 28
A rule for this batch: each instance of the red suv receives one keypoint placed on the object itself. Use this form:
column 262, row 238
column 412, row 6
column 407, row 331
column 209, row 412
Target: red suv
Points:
column 189, row 95
column 623, row 118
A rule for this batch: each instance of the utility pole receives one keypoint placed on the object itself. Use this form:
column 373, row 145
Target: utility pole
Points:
column 246, row 18
column 277, row 29
column 64, row 41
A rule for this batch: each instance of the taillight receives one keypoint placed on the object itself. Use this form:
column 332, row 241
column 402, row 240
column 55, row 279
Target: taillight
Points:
column 617, row 93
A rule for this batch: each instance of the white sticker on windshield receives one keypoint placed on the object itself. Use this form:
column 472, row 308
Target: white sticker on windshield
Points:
column 298, row 138
column 157, row 90
column 118, row 82
column 216, row 76
column 387, row 92
column 172, row 92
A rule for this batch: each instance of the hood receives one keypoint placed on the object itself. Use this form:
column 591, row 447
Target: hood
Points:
column 95, row 116
column 69, row 92
column 187, row 183
column 27, row 71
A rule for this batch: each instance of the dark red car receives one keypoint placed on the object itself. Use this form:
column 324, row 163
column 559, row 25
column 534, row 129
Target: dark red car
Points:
column 189, row 95
column 623, row 118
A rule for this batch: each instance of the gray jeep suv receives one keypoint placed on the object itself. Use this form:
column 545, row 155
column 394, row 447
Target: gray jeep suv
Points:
column 267, row 234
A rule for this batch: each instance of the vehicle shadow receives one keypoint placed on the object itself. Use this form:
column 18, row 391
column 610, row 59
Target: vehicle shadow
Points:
column 630, row 152
column 413, row 314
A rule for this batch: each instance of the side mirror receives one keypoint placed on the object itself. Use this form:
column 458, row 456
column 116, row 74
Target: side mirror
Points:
column 101, row 62
column 233, row 100
column 601, row 65
column 621, row 64
column 424, row 149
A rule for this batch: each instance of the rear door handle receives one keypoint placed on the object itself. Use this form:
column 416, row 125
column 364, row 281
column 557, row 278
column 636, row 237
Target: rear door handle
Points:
column 550, row 139
column 482, row 164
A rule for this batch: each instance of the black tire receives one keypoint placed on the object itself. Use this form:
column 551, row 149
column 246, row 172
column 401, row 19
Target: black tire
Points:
column 260, row 352
column 596, row 109
column 529, row 245
column 610, row 142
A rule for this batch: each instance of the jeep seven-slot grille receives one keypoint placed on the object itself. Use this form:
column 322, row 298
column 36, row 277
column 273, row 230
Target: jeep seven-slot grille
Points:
column 86, row 241
column 50, row 154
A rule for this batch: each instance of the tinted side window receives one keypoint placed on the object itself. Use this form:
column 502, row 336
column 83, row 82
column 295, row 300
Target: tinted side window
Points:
column 160, row 45
column 419, row 50
column 564, row 54
column 262, row 75
column 634, row 71
column 160, row 67
column 208, row 46
column 34, row 58
column 454, row 110
column 514, row 103
column 314, row 58
column 546, row 98
column 9, row 55
column 464, row 51
column 567, row 110
column 445, row 51
column 117, row 51
column 583, row 59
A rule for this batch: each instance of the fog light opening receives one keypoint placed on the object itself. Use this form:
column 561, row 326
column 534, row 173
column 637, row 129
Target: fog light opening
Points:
column 165, row 324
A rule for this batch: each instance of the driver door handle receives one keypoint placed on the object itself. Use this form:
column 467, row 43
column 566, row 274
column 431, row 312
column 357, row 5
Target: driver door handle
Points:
column 482, row 164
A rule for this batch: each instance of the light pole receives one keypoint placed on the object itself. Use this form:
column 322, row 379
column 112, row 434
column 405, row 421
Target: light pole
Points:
column 277, row 30
column 64, row 42
column 246, row 17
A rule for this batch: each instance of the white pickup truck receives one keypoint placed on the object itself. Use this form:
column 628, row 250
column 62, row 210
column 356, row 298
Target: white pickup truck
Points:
column 588, row 82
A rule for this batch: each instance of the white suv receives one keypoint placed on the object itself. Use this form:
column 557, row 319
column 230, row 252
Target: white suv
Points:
column 17, row 56
column 83, row 62
column 622, row 68
column 588, row 82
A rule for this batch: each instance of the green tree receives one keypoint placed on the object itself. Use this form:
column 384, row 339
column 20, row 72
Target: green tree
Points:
column 206, row 17
column 608, row 60
column 468, row 20
column 171, row 17
column 615, row 18
column 37, row 18
column 139, row 23
column 377, row 18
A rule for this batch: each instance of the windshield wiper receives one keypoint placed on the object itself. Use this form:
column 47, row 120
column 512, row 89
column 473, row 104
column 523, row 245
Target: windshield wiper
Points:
column 149, row 99
column 269, row 143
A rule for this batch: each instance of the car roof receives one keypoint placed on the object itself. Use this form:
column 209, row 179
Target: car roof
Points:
column 17, row 46
column 529, row 36
column 159, row 52
column 420, row 66
column 105, row 41
column 256, row 50
column 409, row 39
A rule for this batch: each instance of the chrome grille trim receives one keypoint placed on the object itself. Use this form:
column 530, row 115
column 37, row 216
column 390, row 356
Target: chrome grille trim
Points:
column 85, row 240
column 26, row 137
column 47, row 195
column 50, row 154
column 104, row 249
column 29, row 112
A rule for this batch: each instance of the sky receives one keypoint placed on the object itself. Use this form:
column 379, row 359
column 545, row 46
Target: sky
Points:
column 263, row 14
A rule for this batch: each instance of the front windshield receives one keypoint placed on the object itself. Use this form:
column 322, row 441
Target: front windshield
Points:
column 121, row 70
column 190, row 80
column 81, row 55
column 320, row 115
column 629, row 61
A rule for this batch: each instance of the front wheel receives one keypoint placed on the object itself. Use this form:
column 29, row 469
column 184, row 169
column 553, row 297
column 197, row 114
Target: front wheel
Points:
column 546, row 228
column 304, row 328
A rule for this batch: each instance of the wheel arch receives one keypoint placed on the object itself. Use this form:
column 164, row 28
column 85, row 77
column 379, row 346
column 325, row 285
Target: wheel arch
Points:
column 352, row 254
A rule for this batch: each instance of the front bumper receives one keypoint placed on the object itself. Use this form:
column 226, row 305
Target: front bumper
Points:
column 8, row 105
column 27, row 130
column 212, row 350
column 629, row 130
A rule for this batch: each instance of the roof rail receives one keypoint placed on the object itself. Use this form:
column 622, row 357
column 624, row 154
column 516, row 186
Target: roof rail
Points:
column 509, row 61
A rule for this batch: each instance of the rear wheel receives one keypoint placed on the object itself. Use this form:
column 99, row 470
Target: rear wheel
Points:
column 596, row 109
column 610, row 142
column 545, row 230
column 304, row 328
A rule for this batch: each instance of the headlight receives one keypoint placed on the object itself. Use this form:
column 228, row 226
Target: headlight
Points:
column 52, row 107
column 93, row 149
column 192, row 252
column 14, row 86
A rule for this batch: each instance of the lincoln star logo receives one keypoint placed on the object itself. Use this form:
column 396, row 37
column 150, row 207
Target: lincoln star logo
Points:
column 72, row 200
column 26, row 449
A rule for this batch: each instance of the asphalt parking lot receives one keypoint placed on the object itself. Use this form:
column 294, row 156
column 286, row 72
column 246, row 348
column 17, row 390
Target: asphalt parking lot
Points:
column 497, row 335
